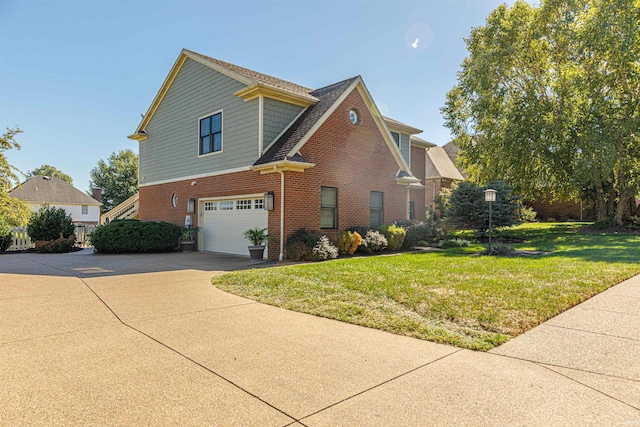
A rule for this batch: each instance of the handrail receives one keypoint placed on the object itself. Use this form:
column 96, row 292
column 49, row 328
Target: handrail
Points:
column 125, row 210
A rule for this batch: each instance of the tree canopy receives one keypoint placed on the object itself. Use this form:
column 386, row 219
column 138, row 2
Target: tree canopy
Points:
column 118, row 178
column 548, row 99
column 12, row 210
column 48, row 170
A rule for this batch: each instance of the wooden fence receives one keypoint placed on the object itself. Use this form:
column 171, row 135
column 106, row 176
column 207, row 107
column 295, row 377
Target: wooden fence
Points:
column 21, row 239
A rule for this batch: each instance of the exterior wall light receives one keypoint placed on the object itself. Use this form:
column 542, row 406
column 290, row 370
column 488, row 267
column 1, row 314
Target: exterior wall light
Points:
column 191, row 205
column 490, row 197
column 268, row 201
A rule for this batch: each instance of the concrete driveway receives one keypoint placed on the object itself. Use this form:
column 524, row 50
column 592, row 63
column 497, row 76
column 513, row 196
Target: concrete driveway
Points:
column 90, row 339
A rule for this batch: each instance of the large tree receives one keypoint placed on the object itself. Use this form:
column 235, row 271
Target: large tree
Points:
column 12, row 210
column 118, row 178
column 549, row 99
column 48, row 170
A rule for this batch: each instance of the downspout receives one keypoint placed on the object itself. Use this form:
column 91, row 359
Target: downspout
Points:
column 281, row 257
column 407, row 209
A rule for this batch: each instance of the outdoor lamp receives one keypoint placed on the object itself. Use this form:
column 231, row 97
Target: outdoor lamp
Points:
column 489, row 197
column 191, row 205
column 268, row 201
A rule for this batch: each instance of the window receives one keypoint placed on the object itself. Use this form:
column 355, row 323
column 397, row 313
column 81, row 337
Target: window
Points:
column 85, row 209
column 243, row 204
column 329, row 207
column 211, row 134
column 376, row 214
column 396, row 138
column 226, row 205
column 258, row 204
column 412, row 210
column 210, row 206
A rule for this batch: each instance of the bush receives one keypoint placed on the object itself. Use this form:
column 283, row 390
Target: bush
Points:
column 6, row 236
column 300, row 245
column 50, row 224
column 527, row 214
column 324, row 249
column 427, row 231
column 499, row 249
column 394, row 234
column 464, row 206
column 135, row 236
column 299, row 251
column 349, row 242
column 454, row 243
column 58, row 246
column 374, row 241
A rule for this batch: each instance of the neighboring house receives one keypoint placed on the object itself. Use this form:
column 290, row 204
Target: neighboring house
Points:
column 229, row 149
column 57, row 193
column 440, row 173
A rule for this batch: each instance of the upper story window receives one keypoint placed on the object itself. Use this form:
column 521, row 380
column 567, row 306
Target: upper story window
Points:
column 396, row 138
column 85, row 209
column 211, row 134
column 329, row 207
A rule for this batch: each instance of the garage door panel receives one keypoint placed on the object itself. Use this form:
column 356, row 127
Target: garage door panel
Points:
column 223, row 230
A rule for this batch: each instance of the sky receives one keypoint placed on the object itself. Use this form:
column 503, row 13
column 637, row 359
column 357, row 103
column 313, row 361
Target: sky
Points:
column 75, row 75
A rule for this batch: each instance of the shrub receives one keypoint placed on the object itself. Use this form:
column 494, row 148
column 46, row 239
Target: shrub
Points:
column 299, row 251
column 454, row 243
column 134, row 236
column 394, row 234
column 6, row 236
column 58, row 246
column 349, row 242
column 374, row 241
column 499, row 249
column 427, row 231
column 300, row 245
column 324, row 249
column 49, row 224
column 527, row 214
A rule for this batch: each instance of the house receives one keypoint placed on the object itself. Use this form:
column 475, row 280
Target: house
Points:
column 440, row 173
column 57, row 193
column 226, row 148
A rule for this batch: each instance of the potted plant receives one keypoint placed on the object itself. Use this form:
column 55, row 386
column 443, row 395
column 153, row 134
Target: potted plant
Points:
column 258, row 238
column 187, row 238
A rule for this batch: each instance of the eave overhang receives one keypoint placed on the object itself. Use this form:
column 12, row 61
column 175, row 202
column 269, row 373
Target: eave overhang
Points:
column 394, row 125
column 282, row 166
column 255, row 90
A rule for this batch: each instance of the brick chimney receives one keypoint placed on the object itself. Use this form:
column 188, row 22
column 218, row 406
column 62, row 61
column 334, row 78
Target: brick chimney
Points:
column 97, row 193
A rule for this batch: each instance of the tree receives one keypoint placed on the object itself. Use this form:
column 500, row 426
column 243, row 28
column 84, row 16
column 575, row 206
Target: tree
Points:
column 118, row 178
column 48, row 170
column 549, row 99
column 464, row 206
column 12, row 210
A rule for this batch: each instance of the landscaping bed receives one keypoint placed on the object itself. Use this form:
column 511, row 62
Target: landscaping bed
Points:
column 450, row 296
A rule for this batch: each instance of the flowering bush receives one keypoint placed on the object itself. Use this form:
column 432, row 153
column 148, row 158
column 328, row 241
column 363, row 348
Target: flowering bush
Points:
column 374, row 241
column 349, row 242
column 324, row 249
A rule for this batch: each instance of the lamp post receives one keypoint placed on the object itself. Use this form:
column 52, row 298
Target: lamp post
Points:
column 490, row 197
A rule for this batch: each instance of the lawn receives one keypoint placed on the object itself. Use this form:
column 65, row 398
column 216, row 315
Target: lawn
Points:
column 454, row 296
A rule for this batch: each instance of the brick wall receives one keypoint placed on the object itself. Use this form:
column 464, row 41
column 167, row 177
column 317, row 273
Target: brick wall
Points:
column 418, row 168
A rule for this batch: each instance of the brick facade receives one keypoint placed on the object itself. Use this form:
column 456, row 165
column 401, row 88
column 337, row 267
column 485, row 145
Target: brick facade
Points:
column 418, row 197
column 353, row 158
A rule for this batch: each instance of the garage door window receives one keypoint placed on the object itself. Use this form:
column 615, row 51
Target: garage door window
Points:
column 210, row 206
column 227, row 205
column 258, row 204
column 243, row 204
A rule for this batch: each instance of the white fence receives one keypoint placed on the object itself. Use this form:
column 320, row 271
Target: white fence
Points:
column 21, row 239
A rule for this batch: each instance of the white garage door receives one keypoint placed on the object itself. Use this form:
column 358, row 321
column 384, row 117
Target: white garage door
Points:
column 225, row 221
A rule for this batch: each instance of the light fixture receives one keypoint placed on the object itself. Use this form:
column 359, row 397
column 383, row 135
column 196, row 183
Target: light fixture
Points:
column 268, row 201
column 490, row 197
column 191, row 205
column 193, row 183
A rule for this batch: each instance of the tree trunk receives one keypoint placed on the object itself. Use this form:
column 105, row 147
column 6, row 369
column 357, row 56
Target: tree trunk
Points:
column 600, row 203
column 622, row 209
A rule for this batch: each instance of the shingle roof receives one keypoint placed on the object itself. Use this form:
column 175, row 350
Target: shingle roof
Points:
column 258, row 77
column 40, row 189
column 439, row 165
column 327, row 96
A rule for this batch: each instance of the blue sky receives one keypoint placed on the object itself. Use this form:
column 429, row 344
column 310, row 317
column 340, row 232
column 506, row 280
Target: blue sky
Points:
column 76, row 75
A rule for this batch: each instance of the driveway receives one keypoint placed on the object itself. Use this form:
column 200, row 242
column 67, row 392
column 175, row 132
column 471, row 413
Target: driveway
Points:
column 90, row 339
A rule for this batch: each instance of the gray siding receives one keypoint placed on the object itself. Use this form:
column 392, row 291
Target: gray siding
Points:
column 405, row 148
column 277, row 116
column 171, row 148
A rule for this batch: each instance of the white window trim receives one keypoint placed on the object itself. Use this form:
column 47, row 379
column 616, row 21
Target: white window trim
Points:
column 213, row 153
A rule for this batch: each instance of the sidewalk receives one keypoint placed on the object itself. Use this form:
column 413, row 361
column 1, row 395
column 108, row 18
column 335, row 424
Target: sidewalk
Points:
column 130, row 340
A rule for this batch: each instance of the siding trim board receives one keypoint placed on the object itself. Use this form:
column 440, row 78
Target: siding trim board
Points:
column 202, row 175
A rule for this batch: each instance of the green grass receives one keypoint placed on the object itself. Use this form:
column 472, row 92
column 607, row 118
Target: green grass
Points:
column 452, row 297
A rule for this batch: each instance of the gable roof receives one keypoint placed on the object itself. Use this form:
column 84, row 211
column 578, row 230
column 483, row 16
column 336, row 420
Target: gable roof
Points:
column 284, row 145
column 419, row 142
column 46, row 189
column 439, row 165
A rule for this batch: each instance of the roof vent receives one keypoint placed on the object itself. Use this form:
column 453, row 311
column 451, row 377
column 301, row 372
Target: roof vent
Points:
column 48, row 178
